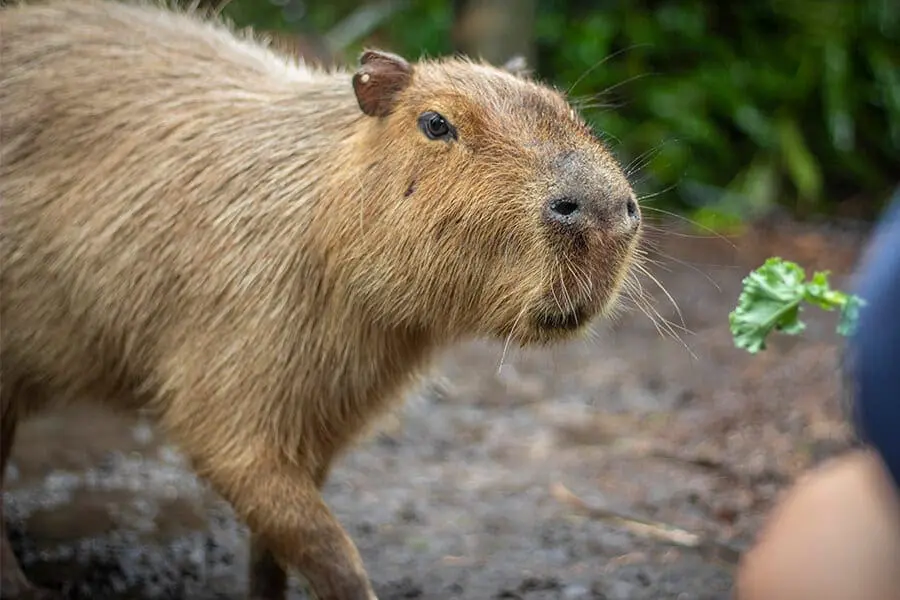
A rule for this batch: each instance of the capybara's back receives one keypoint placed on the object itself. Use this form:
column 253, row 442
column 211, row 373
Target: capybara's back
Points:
column 127, row 193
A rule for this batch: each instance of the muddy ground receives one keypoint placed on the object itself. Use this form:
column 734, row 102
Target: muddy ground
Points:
column 460, row 497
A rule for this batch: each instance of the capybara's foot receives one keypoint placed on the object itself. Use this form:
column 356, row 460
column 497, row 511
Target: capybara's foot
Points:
column 268, row 579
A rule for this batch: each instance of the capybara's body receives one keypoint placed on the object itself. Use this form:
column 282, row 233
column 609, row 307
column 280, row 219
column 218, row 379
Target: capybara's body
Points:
column 263, row 255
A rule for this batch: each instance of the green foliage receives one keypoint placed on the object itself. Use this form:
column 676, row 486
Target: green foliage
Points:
column 414, row 28
column 771, row 301
column 261, row 15
column 730, row 108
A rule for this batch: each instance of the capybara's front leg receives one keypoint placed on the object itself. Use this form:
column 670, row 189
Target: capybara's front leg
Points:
column 267, row 577
column 284, row 509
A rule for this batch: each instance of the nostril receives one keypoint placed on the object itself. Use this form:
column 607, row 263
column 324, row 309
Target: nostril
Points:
column 564, row 207
column 631, row 207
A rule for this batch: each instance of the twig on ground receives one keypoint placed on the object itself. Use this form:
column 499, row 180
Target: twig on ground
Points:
column 711, row 549
column 718, row 466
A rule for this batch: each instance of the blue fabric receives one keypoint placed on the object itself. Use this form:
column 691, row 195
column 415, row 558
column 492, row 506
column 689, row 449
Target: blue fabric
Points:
column 876, row 342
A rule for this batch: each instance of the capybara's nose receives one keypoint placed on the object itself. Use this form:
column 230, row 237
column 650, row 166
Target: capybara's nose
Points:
column 600, row 211
column 588, row 196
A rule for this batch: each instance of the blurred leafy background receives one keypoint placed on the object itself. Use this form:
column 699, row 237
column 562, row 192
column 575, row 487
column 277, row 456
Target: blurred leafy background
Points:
column 730, row 110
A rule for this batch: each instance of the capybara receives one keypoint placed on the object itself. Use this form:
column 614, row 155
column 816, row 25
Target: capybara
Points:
column 265, row 255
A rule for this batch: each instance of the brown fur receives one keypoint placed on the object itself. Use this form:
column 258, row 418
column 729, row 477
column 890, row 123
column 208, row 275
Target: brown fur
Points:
column 264, row 256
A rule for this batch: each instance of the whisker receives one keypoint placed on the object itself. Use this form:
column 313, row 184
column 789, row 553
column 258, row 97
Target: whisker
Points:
column 555, row 298
column 641, row 307
column 663, row 326
column 644, row 197
column 623, row 82
column 581, row 279
column 670, row 327
column 662, row 288
column 600, row 63
column 696, row 269
column 692, row 222
column 662, row 230
column 636, row 163
column 644, row 301
column 642, row 253
column 565, row 290
column 647, row 260
column 598, row 107
column 635, row 281
column 512, row 331
column 607, row 137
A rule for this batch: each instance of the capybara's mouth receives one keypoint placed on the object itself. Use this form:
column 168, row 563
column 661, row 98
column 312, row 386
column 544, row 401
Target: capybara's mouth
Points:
column 564, row 320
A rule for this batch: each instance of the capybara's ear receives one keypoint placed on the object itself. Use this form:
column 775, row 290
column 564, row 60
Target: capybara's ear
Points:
column 380, row 77
column 517, row 65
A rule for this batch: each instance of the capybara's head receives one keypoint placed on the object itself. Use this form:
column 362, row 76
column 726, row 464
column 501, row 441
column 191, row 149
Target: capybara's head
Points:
column 495, row 209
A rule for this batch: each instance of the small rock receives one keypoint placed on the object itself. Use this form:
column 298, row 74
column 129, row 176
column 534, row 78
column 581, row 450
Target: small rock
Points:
column 576, row 592
column 409, row 514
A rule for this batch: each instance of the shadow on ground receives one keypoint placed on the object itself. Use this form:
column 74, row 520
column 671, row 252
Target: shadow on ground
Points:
column 455, row 498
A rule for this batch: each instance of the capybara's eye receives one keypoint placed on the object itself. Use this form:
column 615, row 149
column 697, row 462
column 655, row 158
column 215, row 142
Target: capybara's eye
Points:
column 435, row 126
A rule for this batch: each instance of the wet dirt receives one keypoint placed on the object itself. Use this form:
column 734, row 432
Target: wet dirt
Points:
column 459, row 496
